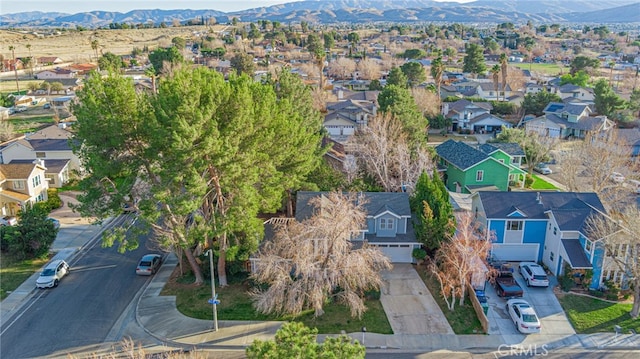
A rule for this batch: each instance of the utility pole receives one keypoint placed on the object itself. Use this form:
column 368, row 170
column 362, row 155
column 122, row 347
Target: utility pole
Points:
column 214, row 297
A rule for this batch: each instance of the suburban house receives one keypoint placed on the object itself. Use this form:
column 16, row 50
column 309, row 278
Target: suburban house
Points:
column 572, row 91
column 463, row 111
column 388, row 224
column 631, row 138
column 52, row 146
column 468, row 169
column 508, row 153
column 488, row 123
column 568, row 120
column 487, row 91
column 344, row 117
column 57, row 73
column 21, row 183
column 49, row 60
column 543, row 227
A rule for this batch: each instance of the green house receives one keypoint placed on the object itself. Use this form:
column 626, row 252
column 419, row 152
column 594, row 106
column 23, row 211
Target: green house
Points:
column 469, row 170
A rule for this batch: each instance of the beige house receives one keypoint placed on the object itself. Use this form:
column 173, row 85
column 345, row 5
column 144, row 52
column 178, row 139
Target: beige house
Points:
column 21, row 183
column 52, row 146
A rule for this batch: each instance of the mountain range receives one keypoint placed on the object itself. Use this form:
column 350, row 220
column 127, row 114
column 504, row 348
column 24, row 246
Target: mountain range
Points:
column 358, row 11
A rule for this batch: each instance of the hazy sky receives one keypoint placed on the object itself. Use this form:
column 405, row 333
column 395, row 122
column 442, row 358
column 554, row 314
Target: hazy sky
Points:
column 75, row 6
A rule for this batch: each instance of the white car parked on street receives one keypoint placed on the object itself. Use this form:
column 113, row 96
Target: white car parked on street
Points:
column 52, row 273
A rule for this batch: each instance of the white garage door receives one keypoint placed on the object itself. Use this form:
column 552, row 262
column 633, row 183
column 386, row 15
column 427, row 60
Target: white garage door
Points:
column 398, row 253
column 527, row 252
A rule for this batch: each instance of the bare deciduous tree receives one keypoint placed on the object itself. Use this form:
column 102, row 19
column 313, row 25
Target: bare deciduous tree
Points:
column 588, row 165
column 383, row 150
column 342, row 68
column 428, row 102
column 620, row 237
column 369, row 69
column 321, row 98
column 459, row 258
column 308, row 262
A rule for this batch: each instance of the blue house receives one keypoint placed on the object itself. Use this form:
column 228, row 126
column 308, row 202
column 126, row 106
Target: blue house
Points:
column 543, row 227
column 388, row 222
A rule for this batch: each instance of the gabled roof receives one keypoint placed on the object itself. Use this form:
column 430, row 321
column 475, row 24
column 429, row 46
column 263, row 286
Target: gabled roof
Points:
column 351, row 106
column 589, row 123
column 488, row 116
column 460, row 154
column 52, row 166
column 376, row 203
column 489, row 86
column 17, row 171
column 571, row 108
column 463, row 104
column 50, row 132
column 571, row 209
column 50, row 145
column 512, row 149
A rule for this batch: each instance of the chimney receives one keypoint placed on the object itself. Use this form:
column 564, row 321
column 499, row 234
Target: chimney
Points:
column 39, row 162
column 445, row 108
column 340, row 94
column 538, row 198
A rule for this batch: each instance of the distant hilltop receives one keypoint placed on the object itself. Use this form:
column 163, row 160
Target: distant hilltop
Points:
column 355, row 11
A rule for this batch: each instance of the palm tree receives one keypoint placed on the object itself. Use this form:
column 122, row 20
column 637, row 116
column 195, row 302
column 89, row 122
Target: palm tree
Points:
column 611, row 64
column 504, row 61
column 15, row 67
column 28, row 46
column 495, row 70
column 94, row 45
column 437, row 71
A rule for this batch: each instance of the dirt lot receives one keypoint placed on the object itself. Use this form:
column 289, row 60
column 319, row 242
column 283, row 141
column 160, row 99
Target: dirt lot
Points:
column 76, row 45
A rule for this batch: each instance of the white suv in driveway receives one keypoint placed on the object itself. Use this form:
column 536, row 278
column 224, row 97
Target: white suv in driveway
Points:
column 52, row 273
column 533, row 274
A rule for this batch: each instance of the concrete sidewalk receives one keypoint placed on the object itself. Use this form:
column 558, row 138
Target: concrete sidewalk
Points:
column 160, row 318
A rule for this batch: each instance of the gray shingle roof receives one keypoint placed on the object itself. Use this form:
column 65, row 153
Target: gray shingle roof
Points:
column 512, row 149
column 50, row 145
column 460, row 105
column 53, row 166
column 396, row 201
column 460, row 154
column 576, row 253
column 571, row 209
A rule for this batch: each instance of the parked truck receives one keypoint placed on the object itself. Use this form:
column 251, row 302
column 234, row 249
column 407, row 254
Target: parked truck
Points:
column 506, row 285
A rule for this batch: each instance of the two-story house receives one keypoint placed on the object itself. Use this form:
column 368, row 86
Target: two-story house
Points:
column 388, row 222
column 468, row 169
column 463, row 111
column 568, row 120
column 344, row 117
column 574, row 92
column 511, row 154
column 21, row 184
column 543, row 227
column 51, row 145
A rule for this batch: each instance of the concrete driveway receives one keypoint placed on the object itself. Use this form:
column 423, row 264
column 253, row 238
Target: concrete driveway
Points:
column 409, row 305
column 552, row 317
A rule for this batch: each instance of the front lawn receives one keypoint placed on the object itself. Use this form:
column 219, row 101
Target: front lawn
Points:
column 463, row 319
column 235, row 304
column 540, row 183
column 14, row 272
column 591, row 315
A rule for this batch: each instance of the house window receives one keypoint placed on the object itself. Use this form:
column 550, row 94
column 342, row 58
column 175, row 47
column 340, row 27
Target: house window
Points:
column 18, row 184
column 514, row 225
column 479, row 176
column 41, row 154
column 623, row 250
column 386, row 223
column 551, row 256
column 40, row 197
column 36, row 181
column 588, row 245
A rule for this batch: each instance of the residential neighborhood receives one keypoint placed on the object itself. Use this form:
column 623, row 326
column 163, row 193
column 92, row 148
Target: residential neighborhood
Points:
column 413, row 186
